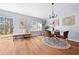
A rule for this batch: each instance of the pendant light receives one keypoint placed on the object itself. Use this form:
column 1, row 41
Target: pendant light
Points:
column 53, row 15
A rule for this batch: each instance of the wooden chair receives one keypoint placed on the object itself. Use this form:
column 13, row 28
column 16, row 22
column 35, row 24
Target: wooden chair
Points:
column 47, row 33
column 57, row 34
column 65, row 35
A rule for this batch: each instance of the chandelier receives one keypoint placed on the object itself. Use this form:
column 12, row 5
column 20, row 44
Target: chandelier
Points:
column 53, row 15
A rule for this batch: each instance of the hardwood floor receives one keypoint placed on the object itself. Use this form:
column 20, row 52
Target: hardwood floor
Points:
column 34, row 46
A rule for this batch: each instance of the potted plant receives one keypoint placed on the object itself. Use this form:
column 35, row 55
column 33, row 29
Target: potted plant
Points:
column 45, row 25
column 45, row 28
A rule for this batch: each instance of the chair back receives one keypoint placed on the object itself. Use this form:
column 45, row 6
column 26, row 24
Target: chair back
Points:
column 47, row 33
column 56, row 33
column 65, row 34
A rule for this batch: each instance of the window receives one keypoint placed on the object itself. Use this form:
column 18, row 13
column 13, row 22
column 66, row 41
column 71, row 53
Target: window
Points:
column 6, row 26
column 36, row 26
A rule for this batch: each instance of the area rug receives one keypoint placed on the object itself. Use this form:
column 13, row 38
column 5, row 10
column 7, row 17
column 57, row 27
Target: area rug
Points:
column 56, row 43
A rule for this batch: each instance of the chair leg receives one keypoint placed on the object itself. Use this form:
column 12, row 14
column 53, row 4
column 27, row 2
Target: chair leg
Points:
column 66, row 40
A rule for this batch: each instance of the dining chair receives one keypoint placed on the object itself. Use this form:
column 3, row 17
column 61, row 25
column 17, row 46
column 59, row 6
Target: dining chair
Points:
column 57, row 33
column 47, row 33
column 65, row 35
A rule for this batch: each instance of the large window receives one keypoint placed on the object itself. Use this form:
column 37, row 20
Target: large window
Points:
column 6, row 26
column 36, row 26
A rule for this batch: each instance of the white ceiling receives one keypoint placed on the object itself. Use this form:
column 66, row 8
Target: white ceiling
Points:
column 41, row 10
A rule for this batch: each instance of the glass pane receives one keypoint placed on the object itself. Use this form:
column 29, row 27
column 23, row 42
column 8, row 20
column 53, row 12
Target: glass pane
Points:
column 6, row 26
column 36, row 26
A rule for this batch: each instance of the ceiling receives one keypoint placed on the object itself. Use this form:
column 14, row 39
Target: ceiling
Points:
column 40, row 10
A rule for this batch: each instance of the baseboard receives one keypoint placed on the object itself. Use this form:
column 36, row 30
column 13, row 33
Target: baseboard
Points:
column 74, row 40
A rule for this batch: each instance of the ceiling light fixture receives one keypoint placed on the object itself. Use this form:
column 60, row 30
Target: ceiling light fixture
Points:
column 53, row 15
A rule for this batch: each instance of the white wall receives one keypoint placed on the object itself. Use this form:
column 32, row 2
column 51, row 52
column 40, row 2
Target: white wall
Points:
column 40, row 10
column 69, row 9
